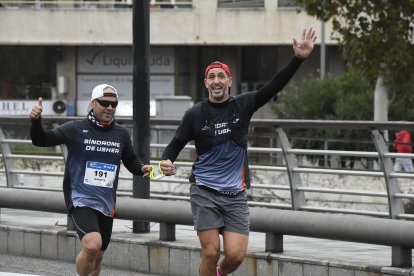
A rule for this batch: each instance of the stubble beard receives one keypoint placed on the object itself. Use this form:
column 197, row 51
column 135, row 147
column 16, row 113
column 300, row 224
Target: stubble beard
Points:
column 218, row 97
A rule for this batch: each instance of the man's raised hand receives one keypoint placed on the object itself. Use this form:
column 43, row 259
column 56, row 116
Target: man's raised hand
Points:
column 304, row 47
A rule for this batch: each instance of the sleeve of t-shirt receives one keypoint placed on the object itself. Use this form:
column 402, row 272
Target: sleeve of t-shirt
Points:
column 66, row 132
column 246, row 102
column 276, row 84
column 183, row 135
column 42, row 138
column 131, row 161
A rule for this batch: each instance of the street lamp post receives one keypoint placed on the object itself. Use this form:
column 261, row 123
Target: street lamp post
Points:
column 141, row 99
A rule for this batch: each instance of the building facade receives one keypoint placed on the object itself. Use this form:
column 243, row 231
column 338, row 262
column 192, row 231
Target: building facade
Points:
column 61, row 49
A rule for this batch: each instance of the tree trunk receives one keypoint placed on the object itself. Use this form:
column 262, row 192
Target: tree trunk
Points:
column 381, row 101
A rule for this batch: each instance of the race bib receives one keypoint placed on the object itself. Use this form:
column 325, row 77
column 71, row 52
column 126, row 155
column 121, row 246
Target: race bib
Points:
column 100, row 174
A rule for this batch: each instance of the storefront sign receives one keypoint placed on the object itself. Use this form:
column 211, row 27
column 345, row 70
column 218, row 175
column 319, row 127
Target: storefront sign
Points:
column 23, row 107
column 113, row 65
column 119, row 60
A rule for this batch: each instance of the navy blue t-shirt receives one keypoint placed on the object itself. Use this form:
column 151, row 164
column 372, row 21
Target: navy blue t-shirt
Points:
column 94, row 158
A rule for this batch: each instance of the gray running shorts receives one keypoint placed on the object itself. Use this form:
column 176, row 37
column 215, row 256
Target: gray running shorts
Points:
column 211, row 211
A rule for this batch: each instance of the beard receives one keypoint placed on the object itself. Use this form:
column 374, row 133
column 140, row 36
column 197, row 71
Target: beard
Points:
column 219, row 96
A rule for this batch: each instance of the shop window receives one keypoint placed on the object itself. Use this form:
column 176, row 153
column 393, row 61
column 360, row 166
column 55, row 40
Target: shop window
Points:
column 258, row 63
column 27, row 72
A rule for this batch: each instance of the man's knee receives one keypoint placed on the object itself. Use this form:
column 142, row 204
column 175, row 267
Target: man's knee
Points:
column 91, row 250
column 91, row 244
column 234, row 257
column 211, row 254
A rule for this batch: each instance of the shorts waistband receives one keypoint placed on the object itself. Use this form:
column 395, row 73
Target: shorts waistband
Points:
column 219, row 193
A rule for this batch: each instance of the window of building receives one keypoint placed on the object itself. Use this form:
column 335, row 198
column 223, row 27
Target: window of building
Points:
column 183, row 74
column 286, row 3
column 258, row 63
column 27, row 72
column 241, row 3
column 170, row 4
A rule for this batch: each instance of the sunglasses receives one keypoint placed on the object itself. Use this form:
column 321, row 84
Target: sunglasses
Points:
column 104, row 103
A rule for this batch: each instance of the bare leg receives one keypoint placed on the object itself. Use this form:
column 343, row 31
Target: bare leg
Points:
column 210, row 251
column 235, row 247
column 97, row 270
column 91, row 250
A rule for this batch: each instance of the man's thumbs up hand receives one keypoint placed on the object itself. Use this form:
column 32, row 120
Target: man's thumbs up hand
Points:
column 37, row 109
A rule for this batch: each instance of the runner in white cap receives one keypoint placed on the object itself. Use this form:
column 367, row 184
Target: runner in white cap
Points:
column 96, row 147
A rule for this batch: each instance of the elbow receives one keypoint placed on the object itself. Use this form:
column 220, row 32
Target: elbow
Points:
column 35, row 142
column 38, row 143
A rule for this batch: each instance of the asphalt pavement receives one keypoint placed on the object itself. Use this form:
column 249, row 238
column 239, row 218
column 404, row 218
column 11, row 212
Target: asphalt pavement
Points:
column 16, row 265
column 297, row 248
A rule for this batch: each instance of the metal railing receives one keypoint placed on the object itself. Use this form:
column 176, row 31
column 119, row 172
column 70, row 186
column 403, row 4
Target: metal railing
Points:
column 295, row 172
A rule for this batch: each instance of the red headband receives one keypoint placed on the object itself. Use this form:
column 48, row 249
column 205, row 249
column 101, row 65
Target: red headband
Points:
column 218, row 64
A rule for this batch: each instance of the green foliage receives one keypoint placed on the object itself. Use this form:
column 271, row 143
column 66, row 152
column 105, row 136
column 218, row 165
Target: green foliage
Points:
column 402, row 107
column 373, row 35
column 347, row 97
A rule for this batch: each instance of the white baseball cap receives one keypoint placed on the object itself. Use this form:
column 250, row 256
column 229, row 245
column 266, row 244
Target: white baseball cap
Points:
column 98, row 91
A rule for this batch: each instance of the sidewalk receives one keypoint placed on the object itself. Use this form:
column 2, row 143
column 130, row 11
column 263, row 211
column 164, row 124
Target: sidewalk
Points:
column 325, row 257
column 18, row 265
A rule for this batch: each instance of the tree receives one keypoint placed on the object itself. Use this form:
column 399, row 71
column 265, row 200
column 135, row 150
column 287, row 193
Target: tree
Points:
column 345, row 97
column 376, row 38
